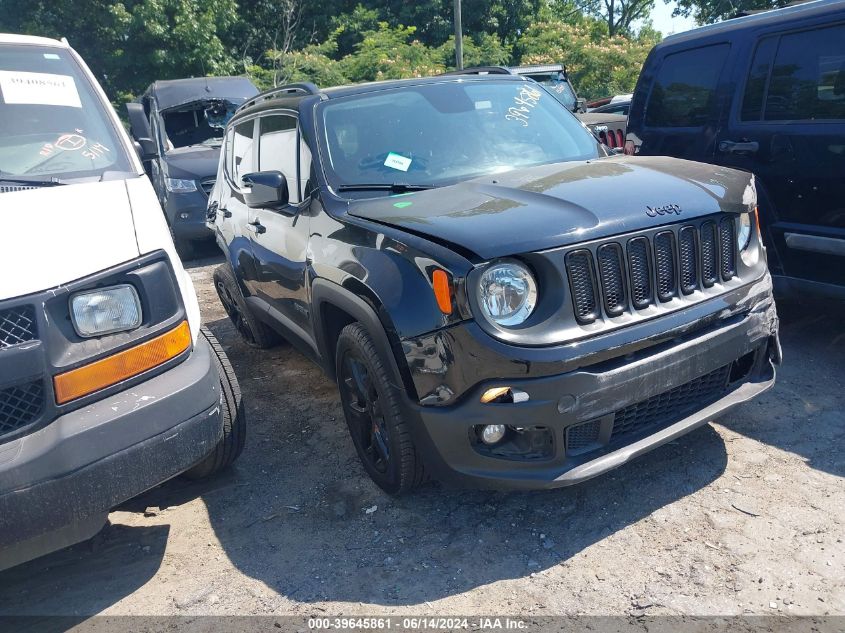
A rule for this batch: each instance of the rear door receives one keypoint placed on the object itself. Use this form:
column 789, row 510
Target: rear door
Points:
column 686, row 103
column 787, row 125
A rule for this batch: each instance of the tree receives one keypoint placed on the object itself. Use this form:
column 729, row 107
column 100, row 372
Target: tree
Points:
column 709, row 11
column 598, row 65
column 619, row 15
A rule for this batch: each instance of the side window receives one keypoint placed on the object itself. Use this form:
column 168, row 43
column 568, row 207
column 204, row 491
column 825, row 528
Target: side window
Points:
column 684, row 91
column 277, row 151
column 808, row 76
column 757, row 82
column 242, row 151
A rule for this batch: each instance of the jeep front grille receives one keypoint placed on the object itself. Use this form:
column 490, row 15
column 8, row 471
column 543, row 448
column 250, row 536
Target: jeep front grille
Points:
column 632, row 274
column 20, row 405
column 17, row 325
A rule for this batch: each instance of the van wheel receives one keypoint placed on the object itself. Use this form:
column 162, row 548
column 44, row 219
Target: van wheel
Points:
column 231, row 444
column 373, row 414
column 252, row 331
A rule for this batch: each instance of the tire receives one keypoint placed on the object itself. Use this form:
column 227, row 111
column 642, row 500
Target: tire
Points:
column 252, row 331
column 371, row 406
column 231, row 444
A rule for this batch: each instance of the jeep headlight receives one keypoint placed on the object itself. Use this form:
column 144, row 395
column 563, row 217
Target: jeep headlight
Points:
column 743, row 231
column 105, row 310
column 178, row 185
column 507, row 293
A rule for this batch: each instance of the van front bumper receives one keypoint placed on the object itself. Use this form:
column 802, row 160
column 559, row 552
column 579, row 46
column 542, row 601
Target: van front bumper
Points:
column 58, row 484
column 582, row 423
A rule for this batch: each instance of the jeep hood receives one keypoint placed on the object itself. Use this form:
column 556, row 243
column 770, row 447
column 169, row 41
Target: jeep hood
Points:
column 54, row 235
column 556, row 205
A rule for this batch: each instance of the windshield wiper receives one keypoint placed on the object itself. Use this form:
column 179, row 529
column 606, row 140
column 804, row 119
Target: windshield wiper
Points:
column 53, row 182
column 394, row 187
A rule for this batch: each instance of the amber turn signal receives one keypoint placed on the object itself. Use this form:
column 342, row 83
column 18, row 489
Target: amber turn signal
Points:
column 130, row 362
column 442, row 291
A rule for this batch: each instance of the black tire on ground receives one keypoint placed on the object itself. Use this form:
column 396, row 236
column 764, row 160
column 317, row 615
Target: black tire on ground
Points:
column 184, row 248
column 231, row 444
column 371, row 405
column 252, row 331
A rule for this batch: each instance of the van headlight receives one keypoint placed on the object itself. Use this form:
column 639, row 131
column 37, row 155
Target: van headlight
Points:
column 105, row 310
column 507, row 293
column 178, row 185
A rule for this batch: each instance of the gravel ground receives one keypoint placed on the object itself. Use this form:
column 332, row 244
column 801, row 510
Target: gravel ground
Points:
column 744, row 515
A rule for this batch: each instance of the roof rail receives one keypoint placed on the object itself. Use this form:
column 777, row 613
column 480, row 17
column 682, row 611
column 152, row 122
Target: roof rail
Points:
column 482, row 70
column 303, row 88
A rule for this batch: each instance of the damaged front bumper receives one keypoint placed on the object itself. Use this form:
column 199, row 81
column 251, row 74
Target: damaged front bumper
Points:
column 605, row 407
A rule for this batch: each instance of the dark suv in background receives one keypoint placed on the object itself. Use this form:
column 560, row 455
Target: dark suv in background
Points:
column 179, row 126
column 765, row 93
column 501, row 302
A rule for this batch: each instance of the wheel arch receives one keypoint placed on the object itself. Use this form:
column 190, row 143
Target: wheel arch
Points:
column 334, row 307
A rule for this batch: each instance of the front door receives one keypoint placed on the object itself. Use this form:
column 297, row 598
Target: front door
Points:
column 280, row 236
column 789, row 129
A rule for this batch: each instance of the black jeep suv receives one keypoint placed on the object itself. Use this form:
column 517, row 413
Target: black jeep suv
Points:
column 500, row 302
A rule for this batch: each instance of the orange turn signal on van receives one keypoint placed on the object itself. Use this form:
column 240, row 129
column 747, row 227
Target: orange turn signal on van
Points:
column 109, row 371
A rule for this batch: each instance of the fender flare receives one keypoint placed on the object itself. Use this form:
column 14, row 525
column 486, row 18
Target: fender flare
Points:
column 325, row 292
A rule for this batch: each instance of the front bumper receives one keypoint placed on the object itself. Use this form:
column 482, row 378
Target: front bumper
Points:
column 58, row 484
column 584, row 422
column 193, row 206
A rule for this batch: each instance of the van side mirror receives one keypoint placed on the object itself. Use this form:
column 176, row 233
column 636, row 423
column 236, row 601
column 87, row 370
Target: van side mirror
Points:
column 139, row 124
column 266, row 189
column 580, row 104
column 146, row 148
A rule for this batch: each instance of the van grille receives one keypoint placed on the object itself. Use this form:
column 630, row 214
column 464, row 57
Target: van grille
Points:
column 657, row 268
column 17, row 325
column 20, row 405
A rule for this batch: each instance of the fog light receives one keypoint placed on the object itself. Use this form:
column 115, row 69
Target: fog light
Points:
column 184, row 216
column 492, row 433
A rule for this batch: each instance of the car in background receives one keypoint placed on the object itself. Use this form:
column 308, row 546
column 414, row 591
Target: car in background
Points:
column 108, row 383
column 764, row 93
column 179, row 126
column 553, row 77
column 620, row 104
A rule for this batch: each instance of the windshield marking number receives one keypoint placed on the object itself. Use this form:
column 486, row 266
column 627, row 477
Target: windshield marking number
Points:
column 38, row 89
column 525, row 101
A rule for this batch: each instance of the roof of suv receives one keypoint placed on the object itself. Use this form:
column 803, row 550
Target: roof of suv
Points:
column 12, row 38
column 299, row 90
column 765, row 18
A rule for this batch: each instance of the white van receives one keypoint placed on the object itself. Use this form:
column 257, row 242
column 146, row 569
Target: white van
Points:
column 108, row 384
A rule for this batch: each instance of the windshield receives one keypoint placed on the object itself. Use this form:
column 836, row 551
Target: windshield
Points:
column 559, row 87
column 197, row 123
column 52, row 123
column 437, row 134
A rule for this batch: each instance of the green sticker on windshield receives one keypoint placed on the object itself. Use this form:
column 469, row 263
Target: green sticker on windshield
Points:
column 402, row 205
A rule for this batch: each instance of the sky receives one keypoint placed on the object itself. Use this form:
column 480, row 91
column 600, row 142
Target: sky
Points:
column 661, row 16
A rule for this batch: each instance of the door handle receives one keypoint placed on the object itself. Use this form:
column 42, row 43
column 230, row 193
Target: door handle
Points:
column 211, row 213
column 739, row 147
column 226, row 213
column 256, row 227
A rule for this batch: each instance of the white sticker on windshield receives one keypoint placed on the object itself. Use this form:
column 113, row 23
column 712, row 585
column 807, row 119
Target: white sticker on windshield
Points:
column 38, row 89
column 395, row 161
column 483, row 105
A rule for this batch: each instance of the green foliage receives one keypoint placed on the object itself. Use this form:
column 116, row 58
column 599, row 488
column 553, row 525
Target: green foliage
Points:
column 130, row 43
column 598, row 64
column 709, row 11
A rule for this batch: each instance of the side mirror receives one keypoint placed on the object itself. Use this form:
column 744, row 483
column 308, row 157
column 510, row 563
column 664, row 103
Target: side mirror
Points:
column 580, row 105
column 139, row 124
column 146, row 148
column 266, row 190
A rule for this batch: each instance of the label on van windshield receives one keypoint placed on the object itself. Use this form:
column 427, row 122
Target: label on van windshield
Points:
column 38, row 89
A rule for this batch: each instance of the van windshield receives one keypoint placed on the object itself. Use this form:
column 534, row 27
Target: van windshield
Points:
column 440, row 133
column 54, row 127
